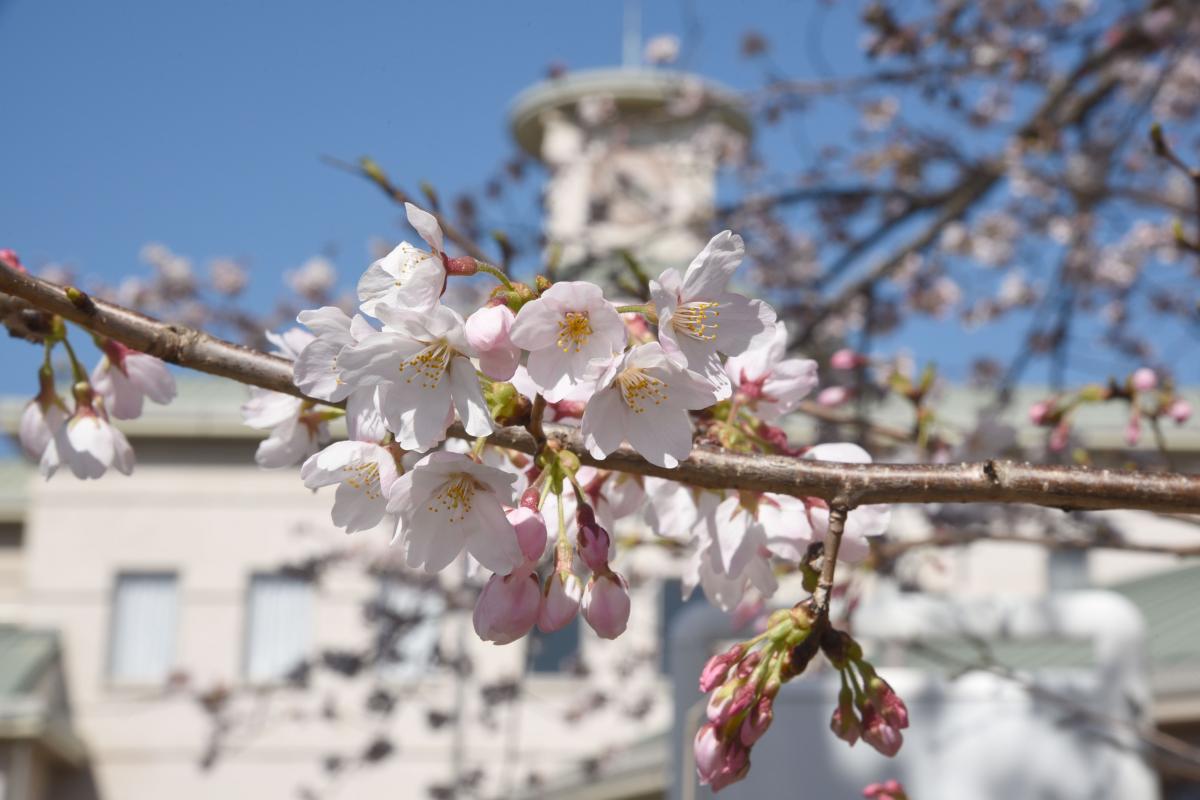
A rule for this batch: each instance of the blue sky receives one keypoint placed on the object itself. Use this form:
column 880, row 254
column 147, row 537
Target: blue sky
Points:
column 201, row 125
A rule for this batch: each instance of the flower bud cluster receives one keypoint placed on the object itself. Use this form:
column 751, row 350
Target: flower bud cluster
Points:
column 868, row 707
column 743, row 682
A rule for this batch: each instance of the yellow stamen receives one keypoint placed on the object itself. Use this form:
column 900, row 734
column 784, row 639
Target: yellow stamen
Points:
column 455, row 497
column 574, row 330
column 365, row 478
column 639, row 389
column 428, row 366
column 697, row 320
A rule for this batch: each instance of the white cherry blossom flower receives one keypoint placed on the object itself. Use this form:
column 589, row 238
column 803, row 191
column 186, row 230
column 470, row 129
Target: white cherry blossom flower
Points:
column 87, row 443
column 421, row 360
column 861, row 523
column 699, row 318
column 297, row 431
column 407, row 277
column 570, row 332
column 644, row 399
column 771, row 384
column 363, row 472
column 448, row 502
column 124, row 377
column 316, row 371
column 679, row 512
column 42, row 416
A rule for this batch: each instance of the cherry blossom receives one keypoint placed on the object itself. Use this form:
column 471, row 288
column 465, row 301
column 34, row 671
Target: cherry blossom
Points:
column 407, row 277
column 448, row 502
column 771, row 384
column 865, row 522
column 699, row 318
column 507, row 607
column 644, row 400
column 124, row 377
column 41, row 417
column 570, row 332
column 87, row 443
column 363, row 472
column 316, row 370
column 488, row 333
column 606, row 605
column 421, row 360
column 561, row 596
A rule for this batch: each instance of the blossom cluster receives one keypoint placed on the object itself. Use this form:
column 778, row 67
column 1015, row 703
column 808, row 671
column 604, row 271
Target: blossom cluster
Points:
column 79, row 434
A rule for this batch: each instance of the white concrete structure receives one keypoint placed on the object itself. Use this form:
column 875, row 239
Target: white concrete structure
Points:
column 633, row 156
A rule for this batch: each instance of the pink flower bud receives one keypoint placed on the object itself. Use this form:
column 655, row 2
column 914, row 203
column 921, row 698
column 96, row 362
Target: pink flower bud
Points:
column 884, row 698
column 717, row 668
column 531, row 532
column 531, row 498
column 1144, row 380
column 592, row 541
column 756, row 722
column 719, row 762
column 1059, row 436
column 606, row 605
column 878, row 733
column 10, row 259
column 846, row 359
column 1039, row 412
column 709, row 751
column 845, row 724
column 560, row 601
column 507, row 607
column 833, row 396
column 487, row 332
column 1180, row 410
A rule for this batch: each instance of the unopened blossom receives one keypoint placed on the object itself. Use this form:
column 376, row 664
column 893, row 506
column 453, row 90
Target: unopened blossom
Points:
column 606, row 605
column 719, row 762
column 878, row 732
column 507, row 607
column 888, row 790
column 1180, row 410
column 488, row 333
column 571, row 332
column 699, row 318
column 363, row 473
column 447, row 502
column 833, row 396
column 643, row 399
column 407, row 277
column 531, row 532
column 422, row 361
column 847, row 359
column 769, row 383
column 42, row 416
column 1144, row 380
column 561, row 596
column 87, row 443
column 125, row 377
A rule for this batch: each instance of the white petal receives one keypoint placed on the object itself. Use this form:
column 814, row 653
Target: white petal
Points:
column 709, row 272
column 426, row 225
column 468, row 398
column 604, row 423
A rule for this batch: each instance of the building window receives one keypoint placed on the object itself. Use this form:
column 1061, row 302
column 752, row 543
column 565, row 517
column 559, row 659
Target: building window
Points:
column 408, row 617
column 278, row 626
column 142, row 638
column 554, row 652
column 671, row 606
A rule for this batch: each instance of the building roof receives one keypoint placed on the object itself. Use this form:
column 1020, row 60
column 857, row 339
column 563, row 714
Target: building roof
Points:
column 33, row 704
column 635, row 90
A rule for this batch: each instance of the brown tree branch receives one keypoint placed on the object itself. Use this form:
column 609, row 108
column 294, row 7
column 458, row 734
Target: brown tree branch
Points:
column 848, row 485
